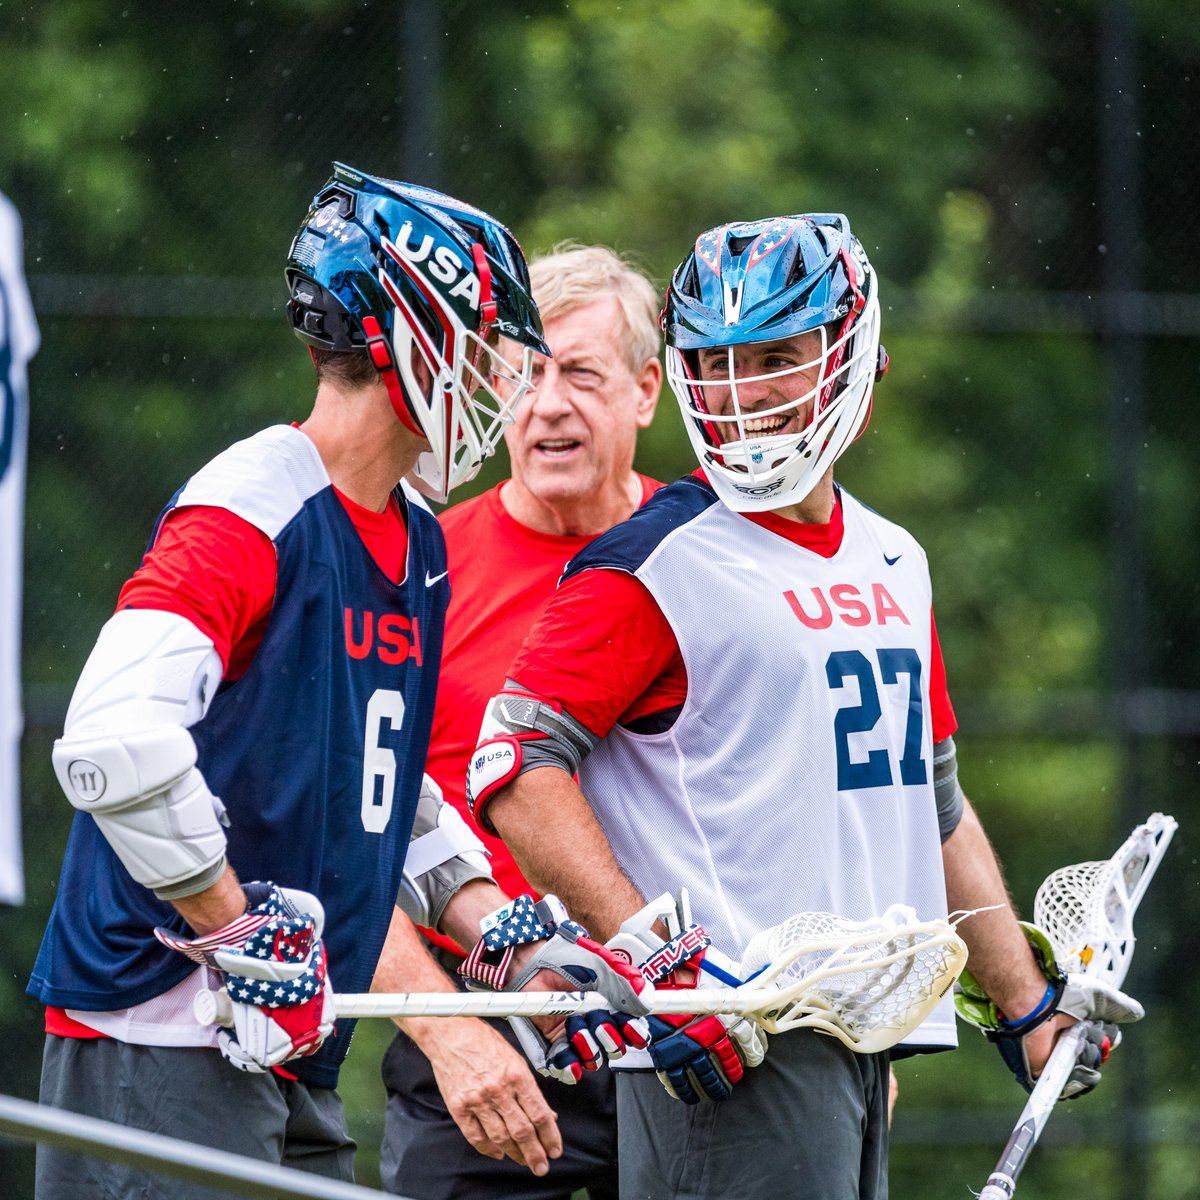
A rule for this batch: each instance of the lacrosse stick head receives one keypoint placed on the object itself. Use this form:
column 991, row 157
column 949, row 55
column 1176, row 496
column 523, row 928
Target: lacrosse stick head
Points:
column 867, row 983
column 1087, row 909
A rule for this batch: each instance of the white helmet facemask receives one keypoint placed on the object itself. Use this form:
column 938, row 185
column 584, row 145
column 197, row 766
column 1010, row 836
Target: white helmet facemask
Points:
column 752, row 467
column 473, row 396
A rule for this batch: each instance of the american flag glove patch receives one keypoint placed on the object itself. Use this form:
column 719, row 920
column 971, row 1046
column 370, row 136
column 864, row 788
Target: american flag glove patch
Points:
column 516, row 923
column 232, row 936
column 287, row 941
column 276, row 974
column 272, row 954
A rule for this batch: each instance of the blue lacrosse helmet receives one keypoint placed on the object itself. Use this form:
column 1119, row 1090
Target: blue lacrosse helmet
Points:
column 769, row 281
column 407, row 273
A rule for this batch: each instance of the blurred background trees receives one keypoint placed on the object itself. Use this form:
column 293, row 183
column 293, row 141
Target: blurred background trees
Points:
column 1024, row 178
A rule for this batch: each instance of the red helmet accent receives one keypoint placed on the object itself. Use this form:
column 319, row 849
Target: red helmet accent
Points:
column 487, row 306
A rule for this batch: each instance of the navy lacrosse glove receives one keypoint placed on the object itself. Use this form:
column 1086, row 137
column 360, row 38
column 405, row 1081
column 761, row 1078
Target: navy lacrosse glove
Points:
column 275, row 973
column 696, row 1057
column 589, row 1037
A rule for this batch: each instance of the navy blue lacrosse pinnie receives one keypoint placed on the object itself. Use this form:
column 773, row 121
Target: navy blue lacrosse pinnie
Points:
column 317, row 751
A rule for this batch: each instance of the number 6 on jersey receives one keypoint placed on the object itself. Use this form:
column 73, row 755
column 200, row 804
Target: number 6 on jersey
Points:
column 379, row 759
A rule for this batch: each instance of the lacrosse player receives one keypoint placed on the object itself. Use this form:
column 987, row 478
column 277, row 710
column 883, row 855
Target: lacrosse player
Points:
column 746, row 679
column 260, row 703
column 457, row 1084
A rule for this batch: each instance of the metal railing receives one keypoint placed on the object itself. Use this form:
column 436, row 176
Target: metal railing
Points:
column 168, row 1156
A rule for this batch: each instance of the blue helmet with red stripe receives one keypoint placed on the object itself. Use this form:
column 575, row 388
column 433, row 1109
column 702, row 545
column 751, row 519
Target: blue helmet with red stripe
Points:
column 417, row 278
column 766, row 438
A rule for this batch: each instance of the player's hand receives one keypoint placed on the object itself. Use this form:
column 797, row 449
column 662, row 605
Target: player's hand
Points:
column 492, row 1095
column 275, row 973
column 1026, row 1043
column 1103, row 1008
column 530, row 946
column 697, row 1057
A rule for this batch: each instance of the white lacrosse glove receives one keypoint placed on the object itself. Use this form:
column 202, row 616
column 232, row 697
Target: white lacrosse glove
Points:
column 696, row 1057
column 1083, row 997
column 273, row 961
column 589, row 1037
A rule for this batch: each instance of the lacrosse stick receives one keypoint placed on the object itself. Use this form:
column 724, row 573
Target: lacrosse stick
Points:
column 867, row 983
column 1087, row 912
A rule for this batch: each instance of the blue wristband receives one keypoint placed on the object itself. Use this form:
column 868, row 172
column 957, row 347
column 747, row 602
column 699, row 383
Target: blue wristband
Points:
column 1040, row 1011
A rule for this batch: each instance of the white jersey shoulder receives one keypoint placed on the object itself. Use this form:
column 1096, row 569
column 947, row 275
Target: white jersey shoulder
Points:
column 265, row 479
column 892, row 538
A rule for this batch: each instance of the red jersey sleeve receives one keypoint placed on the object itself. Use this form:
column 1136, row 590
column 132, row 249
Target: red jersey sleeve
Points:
column 941, row 711
column 216, row 570
column 597, row 649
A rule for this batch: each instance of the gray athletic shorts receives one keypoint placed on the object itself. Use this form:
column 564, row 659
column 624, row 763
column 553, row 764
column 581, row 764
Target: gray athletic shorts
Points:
column 192, row 1094
column 810, row 1123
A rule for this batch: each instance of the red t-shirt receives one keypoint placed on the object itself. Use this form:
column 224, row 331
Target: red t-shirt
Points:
column 502, row 573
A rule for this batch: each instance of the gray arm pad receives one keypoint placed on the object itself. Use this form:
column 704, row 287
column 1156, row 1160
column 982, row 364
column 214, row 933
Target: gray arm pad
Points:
column 946, row 792
column 521, row 731
column 566, row 744
column 443, row 856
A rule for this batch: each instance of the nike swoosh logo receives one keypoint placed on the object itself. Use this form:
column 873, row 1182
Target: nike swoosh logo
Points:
column 431, row 580
column 891, row 562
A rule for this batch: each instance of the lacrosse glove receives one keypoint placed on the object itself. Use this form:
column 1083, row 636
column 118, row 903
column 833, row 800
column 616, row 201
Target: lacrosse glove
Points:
column 588, row 1038
column 273, row 962
column 695, row 1056
column 1083, row 997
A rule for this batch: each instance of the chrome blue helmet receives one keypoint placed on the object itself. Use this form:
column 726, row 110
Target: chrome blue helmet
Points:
column 401, row 271
column 766, row 282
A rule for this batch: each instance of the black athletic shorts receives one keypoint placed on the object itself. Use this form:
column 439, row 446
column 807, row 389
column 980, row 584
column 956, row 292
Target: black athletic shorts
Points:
column 425, row 1156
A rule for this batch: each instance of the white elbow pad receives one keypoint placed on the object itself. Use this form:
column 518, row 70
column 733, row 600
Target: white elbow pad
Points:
column 443, row 855
column 127, row 758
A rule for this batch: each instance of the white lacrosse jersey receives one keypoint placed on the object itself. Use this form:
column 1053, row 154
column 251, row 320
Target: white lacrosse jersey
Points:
column 18, row 343
column 798, row 775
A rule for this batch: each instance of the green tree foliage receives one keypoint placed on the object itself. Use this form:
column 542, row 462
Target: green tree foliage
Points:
column 162, row 157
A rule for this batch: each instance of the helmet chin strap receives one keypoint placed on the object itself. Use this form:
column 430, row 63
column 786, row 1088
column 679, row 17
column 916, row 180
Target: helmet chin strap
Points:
column 381, row 357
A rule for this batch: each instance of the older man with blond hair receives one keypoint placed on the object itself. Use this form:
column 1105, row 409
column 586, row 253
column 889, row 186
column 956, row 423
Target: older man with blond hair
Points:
column 466, row 1117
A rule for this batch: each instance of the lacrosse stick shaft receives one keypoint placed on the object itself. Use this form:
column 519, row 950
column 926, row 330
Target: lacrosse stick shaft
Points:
column 215, row 1008
column 868, row 984
column 1002, row 1182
